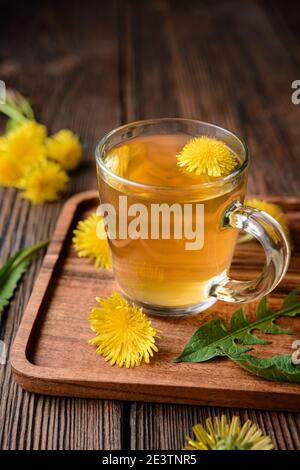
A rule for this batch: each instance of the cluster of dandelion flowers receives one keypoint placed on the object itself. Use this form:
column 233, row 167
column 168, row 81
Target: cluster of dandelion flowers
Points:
column 29, row 160
column 207, row 156
column 124, row 335
column 90, row 241
column 228, row 436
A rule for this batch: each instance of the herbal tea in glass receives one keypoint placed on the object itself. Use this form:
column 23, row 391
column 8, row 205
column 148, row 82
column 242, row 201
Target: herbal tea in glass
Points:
column 139, row 171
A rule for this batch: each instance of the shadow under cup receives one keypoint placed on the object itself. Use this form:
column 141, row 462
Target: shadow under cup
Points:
column 164, row 275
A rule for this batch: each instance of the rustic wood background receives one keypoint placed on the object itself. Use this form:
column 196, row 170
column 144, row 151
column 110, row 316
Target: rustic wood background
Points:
column 91, row 66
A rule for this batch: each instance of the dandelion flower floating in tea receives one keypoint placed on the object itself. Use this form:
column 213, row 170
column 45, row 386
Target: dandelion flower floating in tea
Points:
column 207, row 156
column 124, row 335
column 228, row 436
column 270, row 208
column 90, row 241
column 44, row 182
column 119, row 158
column 64, row 147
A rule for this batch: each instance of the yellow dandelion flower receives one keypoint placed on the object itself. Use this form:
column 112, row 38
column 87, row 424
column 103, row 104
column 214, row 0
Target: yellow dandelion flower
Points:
column 25, row 144
column 43, row 182
column 125, row 335
column 270, row 208
column 228, row 436
column 64, row 147
column 207, row 156
column 2, row 144
column 117, row 160
column 90, row 241
column 10, row 171
column 273, row 210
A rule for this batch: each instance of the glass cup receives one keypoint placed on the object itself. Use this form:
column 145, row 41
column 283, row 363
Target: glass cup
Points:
column 173, row 276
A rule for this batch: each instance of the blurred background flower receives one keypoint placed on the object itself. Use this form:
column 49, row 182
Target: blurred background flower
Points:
column 25, row 151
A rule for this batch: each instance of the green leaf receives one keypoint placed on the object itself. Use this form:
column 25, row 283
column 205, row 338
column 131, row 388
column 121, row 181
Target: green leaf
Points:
column 211, row 340
column 11, row 125
column 17, row 109
column 214, row 340
column 277, row 368
column 12, row 113
column 11, row 272
column 8, row 287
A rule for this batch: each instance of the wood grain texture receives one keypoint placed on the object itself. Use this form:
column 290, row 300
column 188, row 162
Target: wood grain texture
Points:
column 61, row 60
column 228, row 62
column 51, row 354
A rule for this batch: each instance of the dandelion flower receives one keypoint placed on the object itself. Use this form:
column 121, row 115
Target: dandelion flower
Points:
column 228, row 436
column 64, row 147
column 90, row 241
column 118, row 158
column 273, row 210
column 207, row 156
column 43, row 182
column 125, row 335
column 25, row 144
column 10, row 171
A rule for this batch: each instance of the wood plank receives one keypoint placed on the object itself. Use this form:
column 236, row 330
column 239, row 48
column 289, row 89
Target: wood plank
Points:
column 151, row 429
column 62, row 60
column 232, row 65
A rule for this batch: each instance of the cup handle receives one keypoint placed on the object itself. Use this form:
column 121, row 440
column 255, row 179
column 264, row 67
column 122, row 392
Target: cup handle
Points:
column 277, row 250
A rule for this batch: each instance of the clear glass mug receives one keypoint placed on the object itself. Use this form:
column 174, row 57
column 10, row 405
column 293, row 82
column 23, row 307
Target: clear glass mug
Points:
column 161, row 274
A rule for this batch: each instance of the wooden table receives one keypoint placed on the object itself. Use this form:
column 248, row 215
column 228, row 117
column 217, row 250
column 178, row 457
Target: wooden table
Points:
column 91, row 66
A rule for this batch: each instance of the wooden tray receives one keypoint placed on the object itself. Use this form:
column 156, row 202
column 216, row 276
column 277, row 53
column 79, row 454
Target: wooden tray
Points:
column 51, row 354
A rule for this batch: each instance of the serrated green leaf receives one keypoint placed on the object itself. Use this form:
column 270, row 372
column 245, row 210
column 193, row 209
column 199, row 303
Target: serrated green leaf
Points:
column 250, row 338
column 6, row 267
column 291, row 299
column 201, row 341
column 11, row 272
column 238, row 320
column 211, row 340
column 11, row 281
column 268, row 326
column 271, row 328
column 262, row 309
column 11, row 125
column 214, row 340
column 277, row 368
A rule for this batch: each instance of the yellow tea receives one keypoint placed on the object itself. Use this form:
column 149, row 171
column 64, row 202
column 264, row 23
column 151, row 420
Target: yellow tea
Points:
column 163, row 272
